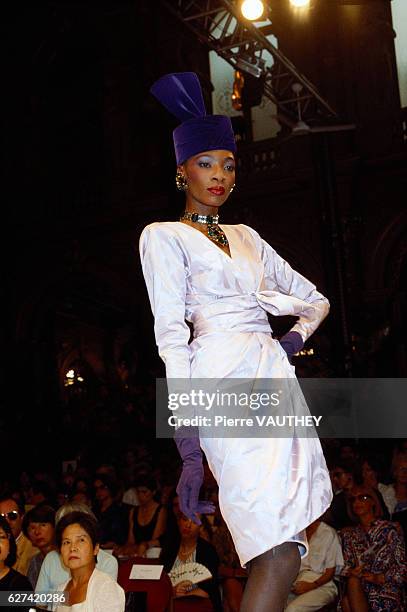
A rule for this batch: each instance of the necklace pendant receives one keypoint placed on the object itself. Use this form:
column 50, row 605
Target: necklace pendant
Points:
column 216, row 234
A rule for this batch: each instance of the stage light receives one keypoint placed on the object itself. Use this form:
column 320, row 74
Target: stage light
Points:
column 252, row 9
column 300, row 3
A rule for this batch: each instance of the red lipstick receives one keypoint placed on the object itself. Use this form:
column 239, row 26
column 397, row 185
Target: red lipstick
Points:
column 218, row 191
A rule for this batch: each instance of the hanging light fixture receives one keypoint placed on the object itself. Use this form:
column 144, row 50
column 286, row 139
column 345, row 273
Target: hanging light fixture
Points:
column 238, row 85
column 252, row 9
column 300, row 3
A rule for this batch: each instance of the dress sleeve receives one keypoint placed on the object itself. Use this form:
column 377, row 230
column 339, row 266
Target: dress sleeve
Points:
column 165, row 270
column 349, row 560
column 44, row 582
column 109, row 596
column 280, row 276
column 396, row 555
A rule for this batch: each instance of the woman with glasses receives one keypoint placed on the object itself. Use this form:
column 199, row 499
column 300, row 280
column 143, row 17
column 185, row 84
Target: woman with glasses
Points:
column 13, row 511
column 374, row 557
column 10, row 579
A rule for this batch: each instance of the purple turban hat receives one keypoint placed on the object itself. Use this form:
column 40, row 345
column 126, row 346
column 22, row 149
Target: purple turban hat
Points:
column 181, row 94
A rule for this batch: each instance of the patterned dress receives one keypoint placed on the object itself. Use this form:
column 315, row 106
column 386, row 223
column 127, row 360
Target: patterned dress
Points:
column 381, row 551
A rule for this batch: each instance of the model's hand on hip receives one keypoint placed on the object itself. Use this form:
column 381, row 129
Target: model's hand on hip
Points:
column 291, row 342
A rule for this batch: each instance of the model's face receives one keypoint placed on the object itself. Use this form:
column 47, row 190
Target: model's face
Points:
column 41, row 534
column 210, row 177
column 77, row 550
column 9, row 509
column 4, row 546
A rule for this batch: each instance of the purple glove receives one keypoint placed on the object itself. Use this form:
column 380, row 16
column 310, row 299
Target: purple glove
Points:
column 291, row 343
column 192, row 475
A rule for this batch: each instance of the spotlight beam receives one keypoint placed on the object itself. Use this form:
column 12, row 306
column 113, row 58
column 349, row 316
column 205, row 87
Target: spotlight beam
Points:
column 220, row 25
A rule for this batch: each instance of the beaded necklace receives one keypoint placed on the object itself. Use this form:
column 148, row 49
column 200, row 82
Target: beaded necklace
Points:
column 214, row 232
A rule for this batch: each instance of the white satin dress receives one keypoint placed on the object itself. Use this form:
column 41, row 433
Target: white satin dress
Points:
column 270, row 489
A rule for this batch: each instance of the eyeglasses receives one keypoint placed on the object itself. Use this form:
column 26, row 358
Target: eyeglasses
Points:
column 361, row 498
column 11, row 516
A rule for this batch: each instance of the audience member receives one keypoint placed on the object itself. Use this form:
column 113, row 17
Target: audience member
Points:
column 82, row 498
column 112, row 517
column 232, row 575
column 375, row 561
column 314, row 586
column 53, row 572
column 78, row 542
column 395, row 494
column 371, row 470
column 10, row 579
column 147, row 521
column 39, row 528
column 40, row 492
column 343, row 480
column 13, row 512
column 188, row 547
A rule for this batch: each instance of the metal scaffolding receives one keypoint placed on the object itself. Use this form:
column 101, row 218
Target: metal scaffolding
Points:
column 220, row 25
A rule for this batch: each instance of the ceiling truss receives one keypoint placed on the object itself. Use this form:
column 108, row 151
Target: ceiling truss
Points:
column 220, row 25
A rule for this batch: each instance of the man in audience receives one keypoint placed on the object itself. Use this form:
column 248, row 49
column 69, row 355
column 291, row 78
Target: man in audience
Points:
column 314, row 586
column 13, row 512
column 112, row 517
column 343, row 476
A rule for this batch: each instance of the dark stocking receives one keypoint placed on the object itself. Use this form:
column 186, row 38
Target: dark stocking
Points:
column 271, row 576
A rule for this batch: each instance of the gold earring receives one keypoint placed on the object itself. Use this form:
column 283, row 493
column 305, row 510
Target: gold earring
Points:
column 232, row 188
column 181, row 182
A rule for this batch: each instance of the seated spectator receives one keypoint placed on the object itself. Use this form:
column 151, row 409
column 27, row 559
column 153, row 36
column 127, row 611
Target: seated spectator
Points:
column 53, row 572
column 81, row 485
column 40, row 492
column 78, row 542
column 147, row 521
column 371, row 472
column 82, row 498
column 343, row 479
column 395, row 494
column 188, row 547
column 314, row 586
column 63, row 495
column 233, row 576
column 10, row 579
column 39, row 528
column 375, row 561
column 112, row 517
column 13, row 512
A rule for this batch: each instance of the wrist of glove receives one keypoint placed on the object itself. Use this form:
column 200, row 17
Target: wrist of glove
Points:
column 192, row 474
column 292, row 342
